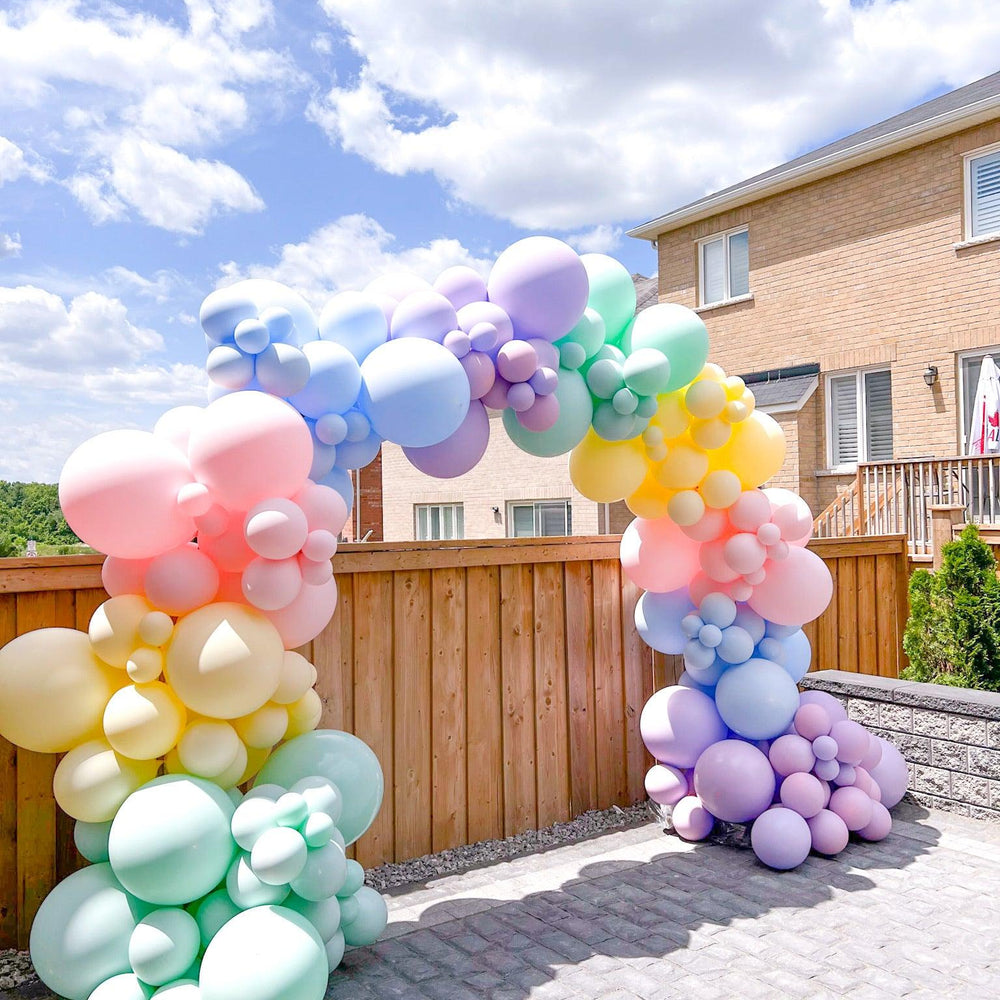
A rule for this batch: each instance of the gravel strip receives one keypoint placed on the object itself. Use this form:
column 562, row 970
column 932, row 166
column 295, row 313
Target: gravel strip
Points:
column 15, row 969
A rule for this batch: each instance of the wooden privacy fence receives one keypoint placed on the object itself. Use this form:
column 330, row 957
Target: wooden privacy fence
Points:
column 500, row 683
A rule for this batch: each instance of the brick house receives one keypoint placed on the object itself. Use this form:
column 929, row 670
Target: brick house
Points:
column 858, row 289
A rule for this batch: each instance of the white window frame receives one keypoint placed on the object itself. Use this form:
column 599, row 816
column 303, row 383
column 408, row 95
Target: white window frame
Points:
column 859, row 374
column 724, row 236
column 967, row 159
column 458, row 512
column 960, row 357
column 535, row 504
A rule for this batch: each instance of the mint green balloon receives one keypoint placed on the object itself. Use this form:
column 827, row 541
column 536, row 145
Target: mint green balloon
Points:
column 370, row 920
column 647, row 371
column 323, row 874
column 179, row 989
column 576, row 410
column 126, row 986
column 605, row 378
column 625, row 401
column 612, row 292
column 610, row 352
column 81, row 932
column 354, row 881
column 589, row 333
column 679, row 333
column 91, row 840
column 212, row 912
column 266, row 953
column 571, row 355
column 614, row 426
column 323, row 914
column 335, row 949
column 341, row 758
column 170, row 841
column 163, row 945
column 246, row 889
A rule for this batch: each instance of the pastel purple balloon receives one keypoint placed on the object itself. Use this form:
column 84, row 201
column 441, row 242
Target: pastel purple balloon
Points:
column 520, row 397
column 811, row 721
column 461, row 285
column 827, row 770
column 852, row 741
column 734, row 780
column 829, row 832
column 891, row 774
column 542, row 285
column 803, row 793
column 548, row 354
column 691, row 820
column 544, row 381
column 824, row 747
column 541, row 415
column 423, row 314
column 458, row 342
column 483, row 336
column 665, row 784
column 475, row 313
column 781, row 838
column 455, row 455
column 496, row 397
column 880, row 825
column 481, row 371
column 834, row 709
column 845, row 775
column 790, row 754
column 852, row 806
column 873, row 754
column 678, row 724
column 867, row 784
column 517, row 361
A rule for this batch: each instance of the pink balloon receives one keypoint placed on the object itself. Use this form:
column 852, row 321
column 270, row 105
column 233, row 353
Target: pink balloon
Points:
column 457, row 454
column 791, row 754
column 548, row 354
column 712, row 558
column 175, row 426
column 324, row 507
column 118, row 492
column 276, row 528
column 481, row 371
column 541, row 415
column 792, row 515
column 852, row 741
column 879, row 826
column 181, row 580
column 249, row 446
column 744, row 553
column 852, row 806
column 804, row 793
column 691, row 820
column 123, row 576
column 811, row 721
column 829, row 832
column 517, row 361
column 496, row 397
column 213, row 522
column 307, row 615
column 657, row 555
column 229, row 550
column 678, row 724
column 873, row 754
column 796, row 590
column 891, row 774
column 272, row 584
column 712, row 524
column 665, row 784
column 832, row 707
column 320, row 545
column 750, row 511
column 315, row 572
column 230, row 589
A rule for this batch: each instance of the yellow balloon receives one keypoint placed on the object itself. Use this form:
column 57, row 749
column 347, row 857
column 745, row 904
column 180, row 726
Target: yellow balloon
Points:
column 721, row 488
column 711, row 371
column 606, row 471
column 748, row 400
column 156, row 628
column 710, row 434
column 234, row 773
column 686, row 507
column 144, row 665
column 92, row 781
column 734, row 386
column 297, row 676
column 650, row 500
column 114, row 628
column 224, row 660
column 263, row 728
column 671, row 415
column 208, row 748
column 755, row 452
column 53, row 690
column 304, row 714
column 705, row 399
column 144, row 721
column 256, row 759
column 735, row 411
column 683, row 468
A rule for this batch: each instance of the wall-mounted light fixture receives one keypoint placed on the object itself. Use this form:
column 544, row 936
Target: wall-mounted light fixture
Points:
column 930, row 374
column 496, row 510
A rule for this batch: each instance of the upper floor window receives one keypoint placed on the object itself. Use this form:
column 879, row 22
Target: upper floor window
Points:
column 436, row 521
column 982, row 193
column 724, row 266
column 541, row 517
column 859, row 417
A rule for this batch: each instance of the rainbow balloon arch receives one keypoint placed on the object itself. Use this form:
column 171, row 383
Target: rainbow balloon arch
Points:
column 219, row 528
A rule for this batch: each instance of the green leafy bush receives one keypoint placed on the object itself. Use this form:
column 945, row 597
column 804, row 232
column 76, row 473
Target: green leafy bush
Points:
column 953, row 632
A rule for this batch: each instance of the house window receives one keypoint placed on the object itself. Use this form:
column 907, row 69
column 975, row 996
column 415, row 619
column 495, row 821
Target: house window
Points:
column 982, row 193
column 859, row 417
column 541, row 517
column 969, row 366
column 436, row 521
column 724, row 266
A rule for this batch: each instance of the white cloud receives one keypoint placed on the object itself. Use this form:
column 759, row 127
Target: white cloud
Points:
column 14, row 164
column 563, row 115
column 600, row 239
column 10, row 245
column 348, row 253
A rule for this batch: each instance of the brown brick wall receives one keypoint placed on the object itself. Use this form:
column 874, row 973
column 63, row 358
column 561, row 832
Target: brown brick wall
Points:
column 855, row 270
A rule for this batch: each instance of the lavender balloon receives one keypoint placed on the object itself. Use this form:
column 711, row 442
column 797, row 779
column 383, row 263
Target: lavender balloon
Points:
column 423, row 314
column 678, row 724
column 691, row 820
column 460, row 285
column 781, row 838
column 891, row 774
column 734, row 780
column 829, row 832
column 455, row 455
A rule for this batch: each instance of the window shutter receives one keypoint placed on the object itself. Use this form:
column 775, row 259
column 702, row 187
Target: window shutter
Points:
column 739, row 264
column 878, row 416
column 985, row 179
column 713, row 263
column 844, row 419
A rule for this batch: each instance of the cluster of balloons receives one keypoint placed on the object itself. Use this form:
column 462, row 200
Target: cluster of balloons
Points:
column 196, row 893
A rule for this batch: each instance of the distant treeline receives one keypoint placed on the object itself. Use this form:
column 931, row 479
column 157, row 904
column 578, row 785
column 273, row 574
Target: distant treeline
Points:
column 31, row 511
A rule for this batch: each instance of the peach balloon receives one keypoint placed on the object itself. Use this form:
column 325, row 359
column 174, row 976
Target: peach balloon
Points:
column 795, row 591
column 92, row 781
column 114, row 628
column 144, row 721
column 228, row 549
column 657, row 555
column 755, row 452
column 124, row 576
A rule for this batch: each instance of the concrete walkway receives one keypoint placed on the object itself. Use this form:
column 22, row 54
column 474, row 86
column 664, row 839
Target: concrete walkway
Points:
column 638, row 914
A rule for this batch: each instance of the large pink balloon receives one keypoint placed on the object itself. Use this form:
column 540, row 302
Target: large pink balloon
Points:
column 229, row 550
column 796, row 589
column 455, row 455
column 324, row 508
column 307, row 615
column 249, row 446
column 124, row 576
column 181, row 580
column 657, row 555
column 118, row 492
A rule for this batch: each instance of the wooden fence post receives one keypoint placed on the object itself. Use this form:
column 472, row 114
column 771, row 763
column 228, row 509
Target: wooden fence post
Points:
column 944, row 517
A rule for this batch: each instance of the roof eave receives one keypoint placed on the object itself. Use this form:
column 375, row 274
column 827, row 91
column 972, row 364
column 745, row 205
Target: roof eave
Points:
column 853, row 156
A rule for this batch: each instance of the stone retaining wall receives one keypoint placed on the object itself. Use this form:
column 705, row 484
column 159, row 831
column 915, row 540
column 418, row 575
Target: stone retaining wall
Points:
column 949, row 736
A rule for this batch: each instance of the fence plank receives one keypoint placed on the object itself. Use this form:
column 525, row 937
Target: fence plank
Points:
column 484, row 752
column 448, row 808
column 638, row 666
column 828, row 633
column 609, row 694
column 580, row 666
column 886, row 578
column 9, row 891
column 846, row 597
column 866, row 616
column 551, row 723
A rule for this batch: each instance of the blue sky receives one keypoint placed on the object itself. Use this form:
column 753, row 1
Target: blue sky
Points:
column 152, row 151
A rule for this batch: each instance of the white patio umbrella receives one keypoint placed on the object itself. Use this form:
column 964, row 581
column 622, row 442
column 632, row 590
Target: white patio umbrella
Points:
column 984, row 437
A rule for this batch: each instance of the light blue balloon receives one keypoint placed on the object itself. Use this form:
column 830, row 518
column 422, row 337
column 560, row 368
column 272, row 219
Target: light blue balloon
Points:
column 266, row 953
column 222, row 311
column 81, row 932
column 750, row 621
column 127, row 986
column 339, row 757
column 705, row 669
column 718, row 609
column 281, row 369
column 358, row 454
column 252, row 336
column 252, row 297
column 736, row 645
column 340, row 480
column 687, row 680
column 576, row 411
column 370, row 920
column 414, row 391
column 658, row 619
column 757, row 699
column 334, row 380
column 229, row 367
column 356, row 321
column 91, row 840
column 163, row 945
column 797, row 655
column 776, row 631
